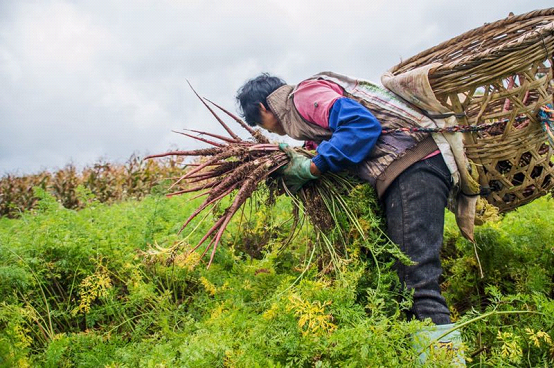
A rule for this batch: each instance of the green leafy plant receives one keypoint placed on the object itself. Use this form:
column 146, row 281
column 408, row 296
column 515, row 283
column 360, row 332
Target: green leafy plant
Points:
column 162, row 306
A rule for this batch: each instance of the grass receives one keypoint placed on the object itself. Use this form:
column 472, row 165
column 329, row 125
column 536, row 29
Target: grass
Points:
column 94, row 288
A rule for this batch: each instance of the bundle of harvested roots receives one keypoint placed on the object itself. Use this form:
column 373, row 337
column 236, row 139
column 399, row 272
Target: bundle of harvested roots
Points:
column 235, row 167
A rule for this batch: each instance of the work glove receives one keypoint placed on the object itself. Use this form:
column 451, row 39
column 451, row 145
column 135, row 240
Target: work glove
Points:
column 297, row 172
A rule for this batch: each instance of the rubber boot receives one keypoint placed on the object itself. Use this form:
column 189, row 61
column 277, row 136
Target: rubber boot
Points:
column 427, row 343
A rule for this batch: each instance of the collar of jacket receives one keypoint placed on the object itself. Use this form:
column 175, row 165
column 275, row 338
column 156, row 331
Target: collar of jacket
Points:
column 280, row 103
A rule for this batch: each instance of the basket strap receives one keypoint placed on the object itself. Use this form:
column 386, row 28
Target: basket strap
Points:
column 547, row 121
column 444, row 116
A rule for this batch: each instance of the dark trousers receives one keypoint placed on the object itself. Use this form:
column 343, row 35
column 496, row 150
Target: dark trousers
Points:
column 414, row 208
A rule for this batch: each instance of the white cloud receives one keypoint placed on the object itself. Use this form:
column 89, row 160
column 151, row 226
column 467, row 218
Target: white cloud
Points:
column 9, row 66
column 57, row 38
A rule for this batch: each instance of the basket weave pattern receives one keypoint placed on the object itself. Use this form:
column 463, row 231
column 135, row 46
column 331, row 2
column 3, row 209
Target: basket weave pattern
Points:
column 501, row 71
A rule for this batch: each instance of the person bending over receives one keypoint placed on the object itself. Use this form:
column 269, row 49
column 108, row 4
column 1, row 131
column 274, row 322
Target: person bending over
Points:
column 343, row 117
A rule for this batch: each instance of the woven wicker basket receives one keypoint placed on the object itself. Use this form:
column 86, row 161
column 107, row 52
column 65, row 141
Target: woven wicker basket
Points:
column 501, row 71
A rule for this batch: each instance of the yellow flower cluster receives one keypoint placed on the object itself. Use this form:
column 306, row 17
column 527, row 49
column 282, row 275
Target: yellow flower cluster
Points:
column 210, row 288
column 93, row 287
column 511, row 348
column 536, row 337
column 187, row 260
column 312, row 318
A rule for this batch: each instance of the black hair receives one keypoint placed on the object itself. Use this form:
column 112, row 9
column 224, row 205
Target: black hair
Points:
column 255, row 91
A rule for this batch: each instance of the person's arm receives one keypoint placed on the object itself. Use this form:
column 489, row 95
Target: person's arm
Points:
column 355, row 132
column 314, row 170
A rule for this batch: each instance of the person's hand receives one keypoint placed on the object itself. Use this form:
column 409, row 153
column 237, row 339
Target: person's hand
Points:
column 297, row 172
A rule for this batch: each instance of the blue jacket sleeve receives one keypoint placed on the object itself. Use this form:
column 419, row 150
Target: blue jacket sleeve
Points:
column 355, row 132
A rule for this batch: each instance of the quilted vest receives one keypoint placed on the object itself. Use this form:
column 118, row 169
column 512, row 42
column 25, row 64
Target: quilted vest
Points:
column 393, row 152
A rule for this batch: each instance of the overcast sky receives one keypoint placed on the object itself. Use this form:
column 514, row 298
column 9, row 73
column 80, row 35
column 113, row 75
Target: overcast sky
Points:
column 87, row 80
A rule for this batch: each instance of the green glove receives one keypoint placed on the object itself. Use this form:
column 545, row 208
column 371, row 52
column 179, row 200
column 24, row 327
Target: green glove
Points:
column 297, row 172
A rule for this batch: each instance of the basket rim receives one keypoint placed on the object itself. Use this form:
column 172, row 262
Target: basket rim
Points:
column 532, row 38
column 528, row 37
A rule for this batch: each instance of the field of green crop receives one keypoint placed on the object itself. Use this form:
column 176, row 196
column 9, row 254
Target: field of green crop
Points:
column 114, row 286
